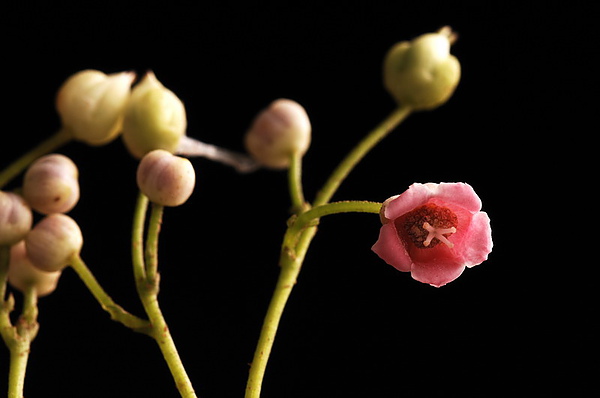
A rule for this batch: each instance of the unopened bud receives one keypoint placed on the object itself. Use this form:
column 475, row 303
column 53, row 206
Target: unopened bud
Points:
column 91, row 103
column 50, row 184
column 22, row 273
column 16, row 218
column 281, row 130
column 53, row 241
column 166, row 179
column 154, row 118
column 422, row 73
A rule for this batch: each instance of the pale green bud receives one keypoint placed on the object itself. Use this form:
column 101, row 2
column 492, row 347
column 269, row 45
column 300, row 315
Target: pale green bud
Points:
column 53, row 241
column 154, row 118
column 278, row 132
column 166, row 179
column 22, row 273
column 422, row 73
column 50, row 184
column 16, row 218
column 91, row 103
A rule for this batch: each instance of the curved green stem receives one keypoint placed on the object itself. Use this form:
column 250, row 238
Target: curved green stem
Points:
column 117, row 313
column 295, row 183
column 314, row 214
column 296, row 243
column 55, row 141
column 359, row 152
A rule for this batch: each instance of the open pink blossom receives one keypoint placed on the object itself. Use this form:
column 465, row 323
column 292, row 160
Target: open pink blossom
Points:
column 434, row 231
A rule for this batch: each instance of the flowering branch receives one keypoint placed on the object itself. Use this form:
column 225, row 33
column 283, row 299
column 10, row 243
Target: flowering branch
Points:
column 297, row 239
column 147, row 282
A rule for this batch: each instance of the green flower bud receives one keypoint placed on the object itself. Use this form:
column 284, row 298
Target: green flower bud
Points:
column 154, row 118
column 278, row 132
column 53, row 241
column 16, row 218
column 91, row 103
column 22, row 273
column 421, row 73
column 50, row 184
column 166, row 179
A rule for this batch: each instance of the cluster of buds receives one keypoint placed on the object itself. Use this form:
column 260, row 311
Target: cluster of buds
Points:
column 40, row 252
column 95, row 108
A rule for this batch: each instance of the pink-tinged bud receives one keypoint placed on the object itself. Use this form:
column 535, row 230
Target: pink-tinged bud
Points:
column 53, row 241
column 278, row 132
column 166, row 179
column 22, row 273
column 50, row 184
column 154, row 118
column 91, row 103
column 422, row 73
column 16, row 218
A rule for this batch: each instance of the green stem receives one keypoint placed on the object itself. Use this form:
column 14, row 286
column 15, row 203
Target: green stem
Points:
column 160, row 332
column 295, row 183
column 152, row 241
column 55, row 141
column 148, row 292
column 4, row 259
column 296, row 243
column 291, row 263
column 314, row 214
column 137, row 239
column 20, row 343
column 117, row 313
column 7, row 305
column 359, row 152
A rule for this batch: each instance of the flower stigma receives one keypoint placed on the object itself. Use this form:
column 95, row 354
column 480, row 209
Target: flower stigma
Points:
column 429, row 225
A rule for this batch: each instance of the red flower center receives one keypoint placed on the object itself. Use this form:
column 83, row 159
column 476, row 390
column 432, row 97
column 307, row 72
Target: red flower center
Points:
column 428, row 225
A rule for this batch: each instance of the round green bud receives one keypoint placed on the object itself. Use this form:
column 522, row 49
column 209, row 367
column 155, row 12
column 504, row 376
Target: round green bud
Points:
column 16, row 218
column 154, row 118
column 166, row 179
column 422, row 73
column 50, row 184
column 22, row 273
column 53, row 241
column 278, row 132
column 91, row 103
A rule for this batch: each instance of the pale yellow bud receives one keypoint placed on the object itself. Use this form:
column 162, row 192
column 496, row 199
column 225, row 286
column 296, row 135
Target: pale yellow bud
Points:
column 422, row 73
column 16, row 218
column 278, row 132
column 166, row 179
column 154, row 118
column 53, row 241
column 22, row 273
column 50, row 184
column 91, row 103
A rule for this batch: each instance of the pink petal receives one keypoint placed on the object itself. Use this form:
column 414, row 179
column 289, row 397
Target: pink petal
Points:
column 391, row 250
column 478, row 243
column 437, row 273
column 458, row 193
column 416, row 195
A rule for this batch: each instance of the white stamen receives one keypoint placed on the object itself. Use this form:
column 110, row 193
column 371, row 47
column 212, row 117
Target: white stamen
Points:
column 192, row 147
column 438, row 233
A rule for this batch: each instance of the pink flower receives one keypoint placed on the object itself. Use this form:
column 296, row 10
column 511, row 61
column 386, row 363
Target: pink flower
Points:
column 434, row 231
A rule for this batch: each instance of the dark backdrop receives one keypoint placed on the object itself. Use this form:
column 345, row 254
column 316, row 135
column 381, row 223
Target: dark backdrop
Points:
column 354, row 326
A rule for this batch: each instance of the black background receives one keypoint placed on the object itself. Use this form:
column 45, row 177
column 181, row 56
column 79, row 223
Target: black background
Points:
column 354, row 327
